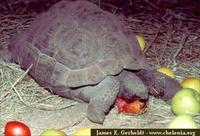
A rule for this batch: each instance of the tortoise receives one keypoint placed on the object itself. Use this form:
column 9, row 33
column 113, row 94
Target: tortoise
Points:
column 79, row 51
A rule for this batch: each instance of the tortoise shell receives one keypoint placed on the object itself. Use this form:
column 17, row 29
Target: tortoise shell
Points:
column 75, row 44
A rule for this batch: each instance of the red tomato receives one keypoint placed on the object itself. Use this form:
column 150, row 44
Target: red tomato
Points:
column 16, row 128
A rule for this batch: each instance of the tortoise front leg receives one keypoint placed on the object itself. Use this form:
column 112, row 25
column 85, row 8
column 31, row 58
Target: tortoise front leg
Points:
column 102, row 99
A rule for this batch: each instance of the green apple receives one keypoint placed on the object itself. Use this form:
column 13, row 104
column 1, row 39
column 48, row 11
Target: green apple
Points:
column 186, row 101
column 53, row 132
column 183, row 121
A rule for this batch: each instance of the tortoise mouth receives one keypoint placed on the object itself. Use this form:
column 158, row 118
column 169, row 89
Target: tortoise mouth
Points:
column 134, row 107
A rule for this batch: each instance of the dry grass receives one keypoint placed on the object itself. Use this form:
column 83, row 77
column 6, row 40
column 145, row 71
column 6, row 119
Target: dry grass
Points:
column 173, row 41
column 20, row 93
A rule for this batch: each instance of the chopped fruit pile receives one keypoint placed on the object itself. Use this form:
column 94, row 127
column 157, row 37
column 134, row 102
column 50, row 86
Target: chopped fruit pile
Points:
column 135, row 107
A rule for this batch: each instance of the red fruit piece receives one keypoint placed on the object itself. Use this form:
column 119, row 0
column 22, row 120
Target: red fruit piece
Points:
column 16, row 128
column 120, row 103
column 135, row 107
